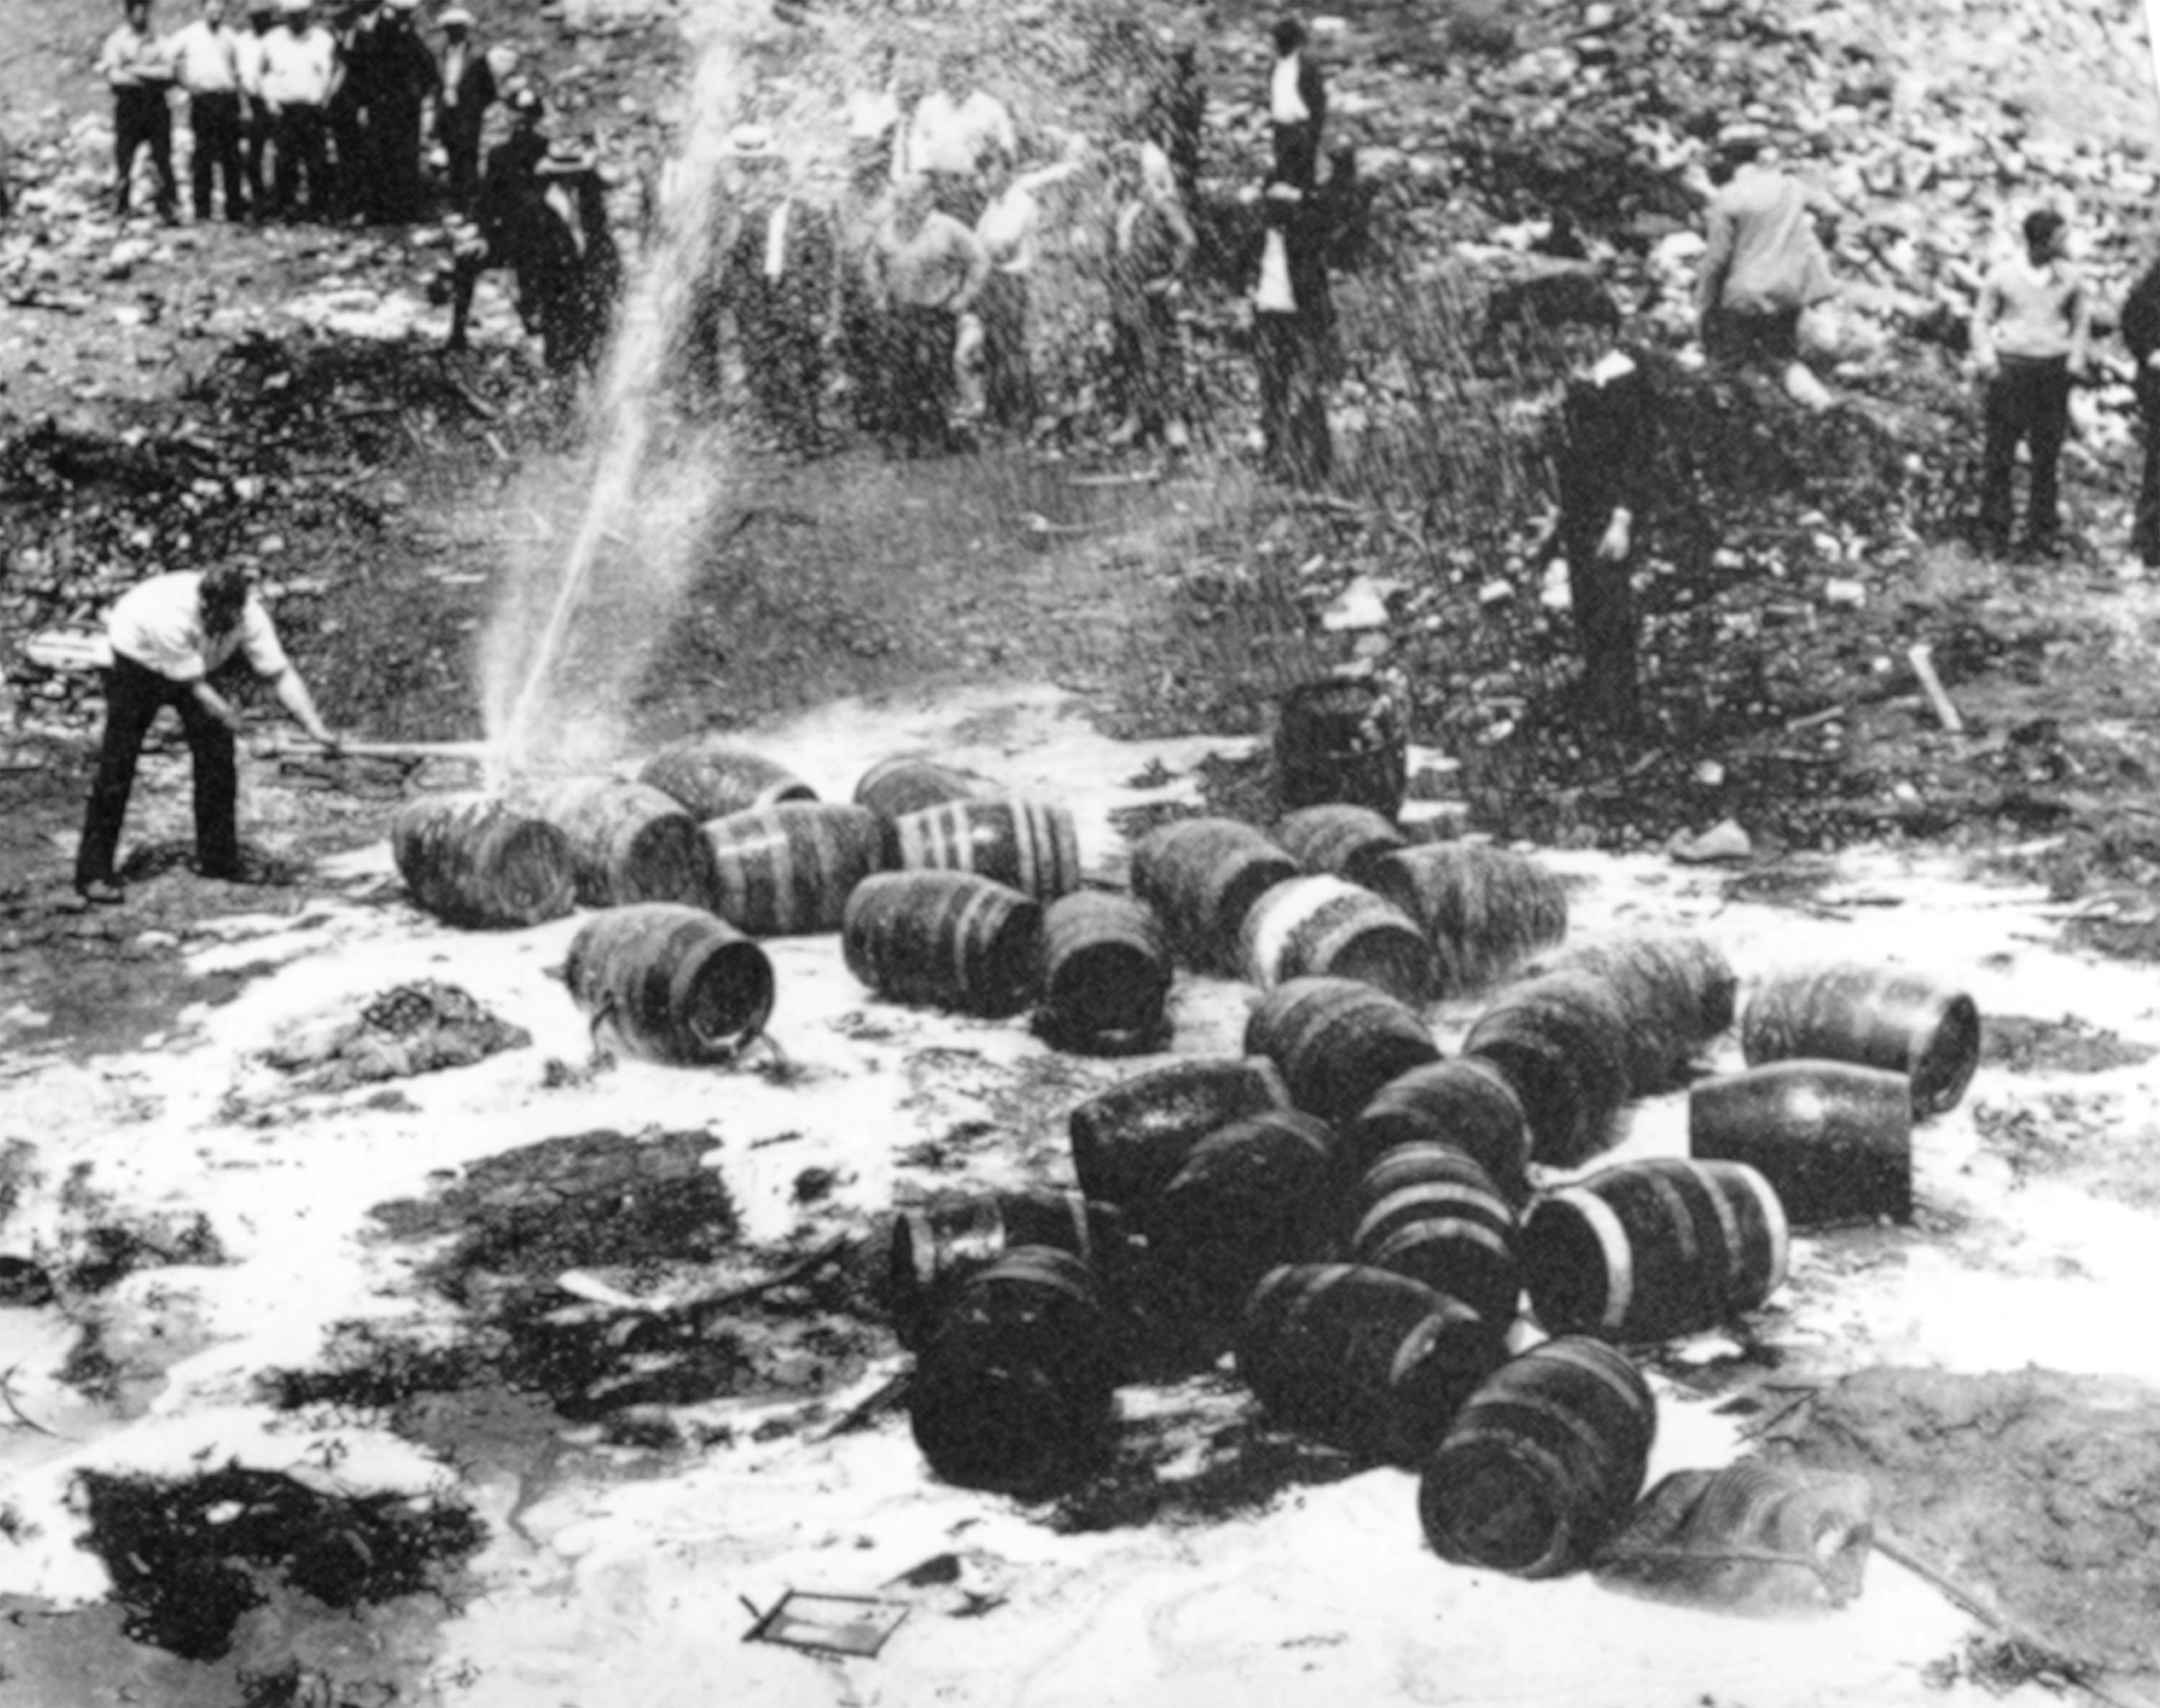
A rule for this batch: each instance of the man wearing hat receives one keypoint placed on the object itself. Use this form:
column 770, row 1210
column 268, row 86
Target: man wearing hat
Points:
column 206, row 61
column 1294, row 340
column 465, row 90
column 173, row 636
column 254, row 117
column 299, row 61
column 778, row 279
column 1297, row 107
column 1763, row 266
column 572, row 273
column 507, row 212
column 403, row 79
column 135, row 65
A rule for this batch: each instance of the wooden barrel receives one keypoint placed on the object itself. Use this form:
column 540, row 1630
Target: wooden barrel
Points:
column 1374, row 1363
column 1014, row 1391
column 1129, row 1140
column 471, row 860
column 1561, row 1042
column 1342, row 739
column 1834, row 1140
column 1323, row 926
column 1652, row 1250
column 1465, row 1104
column 1430, row 1212
column 934, row 1247
column 1486, row 909
column 631, row 843
column 1248, row 1196
column 1337, row 1041
column 1542, row 1462
column 945, row 939
column 1676, row 994
column 1338, row 839
column 671, row 983
column 712, row 778
column 1201, row 876
column 788, row 870
column 908, row 782
column 1026, row 845
column 1876, row 1016
column 1106, row 969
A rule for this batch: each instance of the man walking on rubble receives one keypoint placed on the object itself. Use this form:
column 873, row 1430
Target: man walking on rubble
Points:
column 171, row 636
column 465, row 90
column 206, row 60
column 135, row 65
column 1764, row 265
column 929, row 269
column 2030, row 332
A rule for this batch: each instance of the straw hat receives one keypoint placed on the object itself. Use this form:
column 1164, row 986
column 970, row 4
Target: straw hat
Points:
column 752, row 143
column 455, row 17
column 567, row 158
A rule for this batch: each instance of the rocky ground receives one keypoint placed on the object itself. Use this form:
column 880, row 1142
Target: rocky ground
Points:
column 331, row 1380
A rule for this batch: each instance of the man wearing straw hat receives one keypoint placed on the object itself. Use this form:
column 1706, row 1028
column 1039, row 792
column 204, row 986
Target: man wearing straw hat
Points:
column 779, row 281
column 299, row 62
column 572, row 272
column 465, row 90
column 172, row 638
column 507, row 214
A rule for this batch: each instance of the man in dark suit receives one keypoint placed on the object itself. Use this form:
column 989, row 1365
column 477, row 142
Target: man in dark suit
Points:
column 780, row 279
column 465, row 92
column 1294, row 337
column 403, row 82
column 1297, row 107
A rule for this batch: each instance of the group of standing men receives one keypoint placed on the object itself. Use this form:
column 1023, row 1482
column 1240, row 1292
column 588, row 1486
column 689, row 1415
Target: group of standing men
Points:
column 291, row 118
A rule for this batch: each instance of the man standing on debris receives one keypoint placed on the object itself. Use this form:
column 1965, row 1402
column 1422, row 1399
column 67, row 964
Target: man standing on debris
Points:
column 136, row 65
column 1151, row 246
column 778, row 280
column 171, row 635
column 572, row 273
column 1764, row 265
column 1294, row 339
column 2030, row 332
column 506, row 219
column 206, row 59
column 254, row 117
column 1297, row 107
column 299, row 61
column 465, row 87
column 2141, row 331
column 955, row 133
column 929, row 269
column 404, row 80
column 1010, row 231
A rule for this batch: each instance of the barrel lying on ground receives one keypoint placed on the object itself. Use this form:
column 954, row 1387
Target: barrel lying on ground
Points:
column 1542, row 1462
column 1485, row 909
column 1106, row 969
column 1027, row 845
column 1371, row 1363
column 1875, row 1016
column 631, row 843
column 712, row 776
column 1129, row 1140
column 471, row 860
column 1430, row 1213
column 1201, row 876
column 934, row 1248
column 670, row 983
column 1249, row 1198
column 1834, row 1140
column 908, row 782
column 1648, row 1250
column 1014, row 1390
column 1337, row 1041
column 788, row 870
column 1323, row 926
column 1338, row 839
column 944, row 939
column 1676, row 994
column 1465, row 1104
column 1561, row 1040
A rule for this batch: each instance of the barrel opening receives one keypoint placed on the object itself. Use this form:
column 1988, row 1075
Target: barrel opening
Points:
column 729, row 1000
column 534, row 872
column 1947, row 1060
column 1108, row 987
column 1011, row 1427
column 1566, row 1263
column 1492, row 1503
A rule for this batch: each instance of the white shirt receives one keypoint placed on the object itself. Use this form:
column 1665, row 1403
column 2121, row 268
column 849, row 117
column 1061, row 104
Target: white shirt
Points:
column 1286, row 106
column 158, row 624
column 297, row 69
column 206, row 59
column 248, row 61
column 954, row 136
column 776, row 241
column 454, row 67
column 132, row 58
column 1274, row 296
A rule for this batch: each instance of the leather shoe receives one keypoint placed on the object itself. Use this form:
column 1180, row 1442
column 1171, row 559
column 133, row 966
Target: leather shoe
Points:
column 102, row 892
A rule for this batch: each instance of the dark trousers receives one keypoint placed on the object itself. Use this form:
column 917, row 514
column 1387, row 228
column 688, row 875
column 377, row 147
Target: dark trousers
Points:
column 2145, row 536
column 1008, row 381
column 1293, row 363
column 298, row 139
column 1297, row 153
column 1750, row 334
column 396, row 192
column 254, row 143
column 215, row 120
column 2028, row 401
column 134, row 694
column 1602, row 596
column 920, row 384
column 782, row 362
column 141, row 120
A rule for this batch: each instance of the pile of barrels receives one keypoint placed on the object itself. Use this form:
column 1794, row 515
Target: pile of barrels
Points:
column 1400, row 1250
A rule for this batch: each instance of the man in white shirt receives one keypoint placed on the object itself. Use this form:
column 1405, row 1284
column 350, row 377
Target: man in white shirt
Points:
column 1297, row 108
column 135, row 65
column 1010, row 232
column 170, row 635
column 207, row 62
column 955, row 133
column 299, row 58
column 254, row 118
